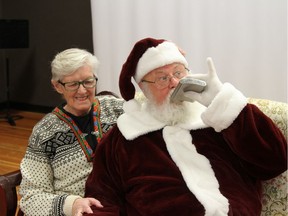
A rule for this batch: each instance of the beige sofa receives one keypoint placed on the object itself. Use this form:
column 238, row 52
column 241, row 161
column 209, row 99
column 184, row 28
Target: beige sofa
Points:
column 274, row 198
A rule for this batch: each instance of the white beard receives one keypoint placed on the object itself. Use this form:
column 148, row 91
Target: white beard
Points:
column 167, row 112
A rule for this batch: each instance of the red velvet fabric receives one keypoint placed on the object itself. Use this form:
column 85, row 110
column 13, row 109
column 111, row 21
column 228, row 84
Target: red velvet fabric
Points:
column 139, row 177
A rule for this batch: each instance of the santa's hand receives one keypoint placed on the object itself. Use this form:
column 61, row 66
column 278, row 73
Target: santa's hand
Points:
column 212, row 88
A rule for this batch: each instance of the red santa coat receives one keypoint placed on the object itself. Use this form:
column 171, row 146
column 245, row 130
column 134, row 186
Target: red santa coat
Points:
column 212, row 164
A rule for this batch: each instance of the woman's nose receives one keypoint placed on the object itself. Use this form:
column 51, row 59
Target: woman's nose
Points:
column 81, row 88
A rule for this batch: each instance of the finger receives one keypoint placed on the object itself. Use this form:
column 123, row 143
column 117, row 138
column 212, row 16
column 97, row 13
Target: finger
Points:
column 211, row 67
column 95, row 202
column 78, row 214
column 98, row 203
column 88, row 210
column 198, row 76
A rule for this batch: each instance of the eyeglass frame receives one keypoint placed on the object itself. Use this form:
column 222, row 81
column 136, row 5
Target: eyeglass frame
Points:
column 79, row 83
column 159, row 86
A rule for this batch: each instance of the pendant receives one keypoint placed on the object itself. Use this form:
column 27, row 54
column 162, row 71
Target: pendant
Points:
column 95, row 133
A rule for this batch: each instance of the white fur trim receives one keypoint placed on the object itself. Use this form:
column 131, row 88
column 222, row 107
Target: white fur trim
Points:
column 196, row 171
column 131, row 106
column 136, row 121
column 225, row 108
column 155, row 57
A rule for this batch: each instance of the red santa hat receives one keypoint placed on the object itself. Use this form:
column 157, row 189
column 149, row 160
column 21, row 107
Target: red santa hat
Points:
column 147, row 55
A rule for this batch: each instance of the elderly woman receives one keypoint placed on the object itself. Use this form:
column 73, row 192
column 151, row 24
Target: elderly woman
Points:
column 61, row 147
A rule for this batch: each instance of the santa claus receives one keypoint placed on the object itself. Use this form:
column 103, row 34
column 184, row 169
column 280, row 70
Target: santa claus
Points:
column 204, row 156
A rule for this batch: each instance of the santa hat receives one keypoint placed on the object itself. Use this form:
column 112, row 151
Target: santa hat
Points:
column 147, row 55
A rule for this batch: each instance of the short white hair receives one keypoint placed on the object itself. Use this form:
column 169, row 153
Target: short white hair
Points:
column 70, row 60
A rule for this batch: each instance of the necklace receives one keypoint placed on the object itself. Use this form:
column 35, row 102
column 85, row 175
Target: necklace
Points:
column 78, row 133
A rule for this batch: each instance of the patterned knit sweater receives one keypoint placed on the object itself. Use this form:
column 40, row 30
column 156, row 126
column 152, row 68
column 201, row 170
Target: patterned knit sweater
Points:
column 58, row 160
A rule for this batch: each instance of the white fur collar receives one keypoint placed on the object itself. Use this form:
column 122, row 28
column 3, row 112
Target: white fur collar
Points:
column 221, row 113
column 136, row 121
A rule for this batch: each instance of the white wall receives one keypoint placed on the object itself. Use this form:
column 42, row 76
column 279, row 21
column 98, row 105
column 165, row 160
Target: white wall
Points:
column 247, row 39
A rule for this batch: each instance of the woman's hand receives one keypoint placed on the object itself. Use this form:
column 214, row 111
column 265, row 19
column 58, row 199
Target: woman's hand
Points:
column 83, row 205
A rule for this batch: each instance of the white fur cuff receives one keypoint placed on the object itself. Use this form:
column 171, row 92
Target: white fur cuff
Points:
column 225, row 108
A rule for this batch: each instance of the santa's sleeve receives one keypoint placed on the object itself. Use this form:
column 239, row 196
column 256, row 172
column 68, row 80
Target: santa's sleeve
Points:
column 252, row 136
column 103, row 183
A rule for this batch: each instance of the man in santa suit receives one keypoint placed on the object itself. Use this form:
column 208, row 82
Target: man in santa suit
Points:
column 206, row 156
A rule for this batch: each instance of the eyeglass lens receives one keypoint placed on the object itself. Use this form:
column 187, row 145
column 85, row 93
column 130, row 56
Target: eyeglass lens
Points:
column 163, row 81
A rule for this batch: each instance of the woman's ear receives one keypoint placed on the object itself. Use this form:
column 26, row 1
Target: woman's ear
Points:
column 57, row 87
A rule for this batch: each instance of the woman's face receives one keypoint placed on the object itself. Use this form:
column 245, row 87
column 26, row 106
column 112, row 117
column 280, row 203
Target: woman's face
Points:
column 80, row 100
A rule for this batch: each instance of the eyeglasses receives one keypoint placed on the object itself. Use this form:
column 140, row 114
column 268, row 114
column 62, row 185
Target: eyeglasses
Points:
column 73, row 86
column 162, row 82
